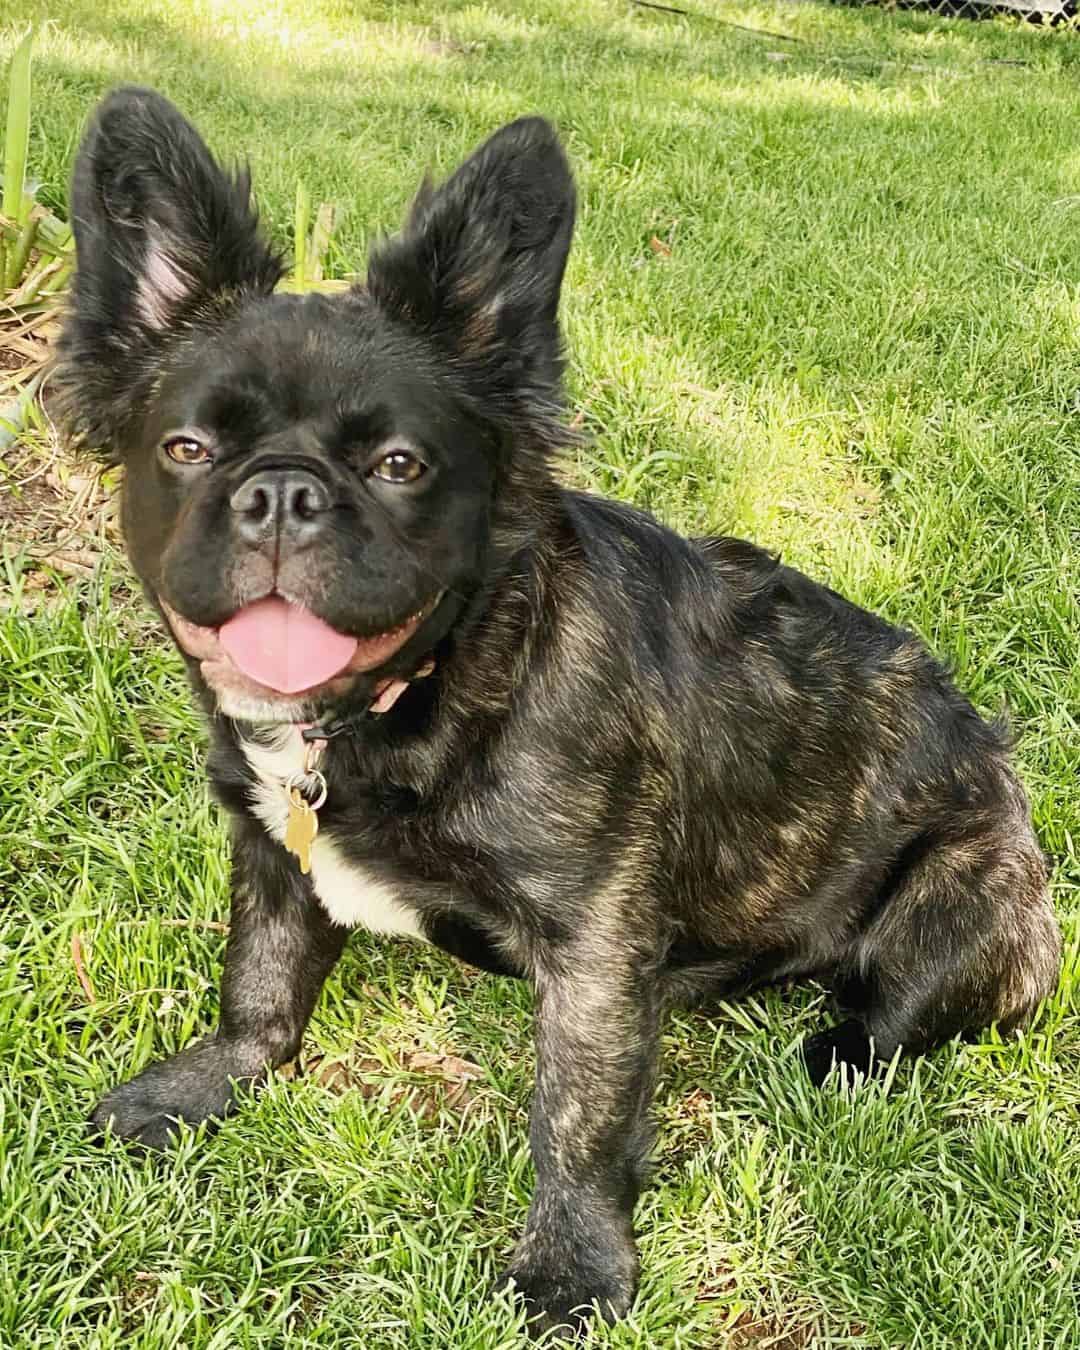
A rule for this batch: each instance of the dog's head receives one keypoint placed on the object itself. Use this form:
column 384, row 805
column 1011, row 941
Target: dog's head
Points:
column 313, row 484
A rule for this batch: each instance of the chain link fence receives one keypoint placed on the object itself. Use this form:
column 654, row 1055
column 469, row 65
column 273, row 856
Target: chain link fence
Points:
column 1053, row 12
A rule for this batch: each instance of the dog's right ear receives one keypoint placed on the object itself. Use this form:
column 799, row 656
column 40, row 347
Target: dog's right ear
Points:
column 161, row 232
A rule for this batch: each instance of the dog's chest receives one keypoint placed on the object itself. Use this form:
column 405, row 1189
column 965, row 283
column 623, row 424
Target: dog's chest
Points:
column 347, row 891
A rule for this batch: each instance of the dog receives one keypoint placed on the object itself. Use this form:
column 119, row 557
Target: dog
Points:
column 449, row 698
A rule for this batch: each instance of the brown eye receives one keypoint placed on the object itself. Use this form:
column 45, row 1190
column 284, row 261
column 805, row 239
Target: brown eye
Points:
column 186, row 450
column 399, row 466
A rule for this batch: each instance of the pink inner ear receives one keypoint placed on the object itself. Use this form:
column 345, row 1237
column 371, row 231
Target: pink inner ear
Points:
column 162, row 286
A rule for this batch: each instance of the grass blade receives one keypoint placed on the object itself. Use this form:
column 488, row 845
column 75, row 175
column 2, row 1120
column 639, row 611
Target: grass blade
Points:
column 303, row 215
column 17, row 145
column 325, row 224
column 19, row 251
column 15, row 415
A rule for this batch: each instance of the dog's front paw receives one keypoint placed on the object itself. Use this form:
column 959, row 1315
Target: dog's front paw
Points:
column 193, row 1086
column 563, row 1289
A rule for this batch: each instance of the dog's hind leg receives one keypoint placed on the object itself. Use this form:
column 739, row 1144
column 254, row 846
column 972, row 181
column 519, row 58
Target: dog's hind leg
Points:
column 963, row 935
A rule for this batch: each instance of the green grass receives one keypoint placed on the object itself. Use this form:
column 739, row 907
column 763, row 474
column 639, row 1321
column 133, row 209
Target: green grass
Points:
column 863, row 349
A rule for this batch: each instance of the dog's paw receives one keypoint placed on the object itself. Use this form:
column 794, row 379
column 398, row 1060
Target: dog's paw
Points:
column 845, row 1045
column 562, row 1294
column 129, row 1115
column 194, row 1086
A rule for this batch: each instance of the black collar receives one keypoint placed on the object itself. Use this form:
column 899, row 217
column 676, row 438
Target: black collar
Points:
column 336, row 726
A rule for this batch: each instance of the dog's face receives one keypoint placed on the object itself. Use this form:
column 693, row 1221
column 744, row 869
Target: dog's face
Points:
column 311, row 482
column 305, row 494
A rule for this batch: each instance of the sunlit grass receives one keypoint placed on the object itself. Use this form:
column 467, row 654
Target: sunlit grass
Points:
column 854, row 340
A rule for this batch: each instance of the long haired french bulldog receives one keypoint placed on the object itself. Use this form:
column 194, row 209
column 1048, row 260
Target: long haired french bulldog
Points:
column 448, row 697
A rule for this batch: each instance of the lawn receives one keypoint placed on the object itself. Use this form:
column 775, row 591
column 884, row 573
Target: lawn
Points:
column 825, row 294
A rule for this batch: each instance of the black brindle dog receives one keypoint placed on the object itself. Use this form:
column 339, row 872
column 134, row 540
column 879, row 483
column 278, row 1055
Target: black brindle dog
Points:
column 639, row 769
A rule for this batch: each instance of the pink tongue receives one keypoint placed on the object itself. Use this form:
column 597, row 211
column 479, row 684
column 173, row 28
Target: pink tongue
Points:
column 284, row 646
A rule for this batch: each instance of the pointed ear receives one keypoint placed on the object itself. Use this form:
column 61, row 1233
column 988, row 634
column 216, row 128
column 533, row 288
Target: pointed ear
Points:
column 160, row 230
column 479, row 264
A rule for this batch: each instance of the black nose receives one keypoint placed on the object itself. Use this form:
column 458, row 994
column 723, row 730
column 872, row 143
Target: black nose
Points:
column 287, row 502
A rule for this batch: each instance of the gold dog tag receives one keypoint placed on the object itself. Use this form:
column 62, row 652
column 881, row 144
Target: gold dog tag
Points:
column 300, row 829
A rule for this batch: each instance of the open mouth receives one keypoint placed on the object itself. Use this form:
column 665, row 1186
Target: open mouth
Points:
column 274, row 647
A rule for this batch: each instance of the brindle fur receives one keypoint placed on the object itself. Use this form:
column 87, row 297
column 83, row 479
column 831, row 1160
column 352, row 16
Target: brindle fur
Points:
column 647, row 769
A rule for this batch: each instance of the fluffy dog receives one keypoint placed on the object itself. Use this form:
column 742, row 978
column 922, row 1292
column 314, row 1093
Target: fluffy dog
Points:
column 448, row 697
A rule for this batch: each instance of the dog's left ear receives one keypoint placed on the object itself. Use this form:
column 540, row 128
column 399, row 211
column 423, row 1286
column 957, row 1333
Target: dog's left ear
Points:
column 479, row 264
column 161, row 230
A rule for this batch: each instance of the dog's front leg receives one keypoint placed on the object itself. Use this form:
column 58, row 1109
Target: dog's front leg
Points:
column 281, row 947
column 597, row 1029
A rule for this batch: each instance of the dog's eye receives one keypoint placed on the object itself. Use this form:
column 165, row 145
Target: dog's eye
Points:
column 186, row 450
column 399, row 466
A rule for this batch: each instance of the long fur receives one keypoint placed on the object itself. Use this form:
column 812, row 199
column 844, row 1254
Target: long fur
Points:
column 646, row 770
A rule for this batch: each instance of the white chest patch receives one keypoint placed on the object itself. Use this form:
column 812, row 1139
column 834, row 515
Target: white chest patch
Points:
column 348, row 894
